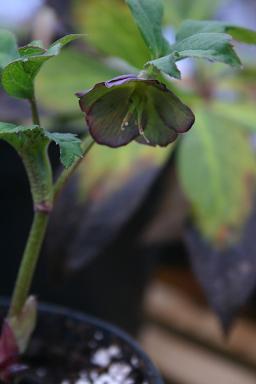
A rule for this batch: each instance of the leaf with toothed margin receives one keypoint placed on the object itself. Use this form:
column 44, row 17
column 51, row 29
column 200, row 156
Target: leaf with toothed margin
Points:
column 129, row 108
column 21, row 136
column 70, row 146
column 16, row 135
column 209, row 46
column 191, row 27
column 18, row 75
column 165, row 64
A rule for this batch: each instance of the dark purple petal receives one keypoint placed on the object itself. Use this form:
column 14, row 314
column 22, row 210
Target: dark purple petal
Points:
column 166, row 115
column 156, row 132
column 106, row 116
column 176, row 115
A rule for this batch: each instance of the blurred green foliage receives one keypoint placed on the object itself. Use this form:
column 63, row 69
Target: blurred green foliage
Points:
column 178, row 10
column 217, row 168
column 56, row 85
column 110, row 28
column 110, row 169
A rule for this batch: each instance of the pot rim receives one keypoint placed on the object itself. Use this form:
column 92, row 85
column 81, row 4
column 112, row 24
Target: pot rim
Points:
column 54, row 309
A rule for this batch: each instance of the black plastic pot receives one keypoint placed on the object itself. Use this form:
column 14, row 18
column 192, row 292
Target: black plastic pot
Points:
column 65, row 343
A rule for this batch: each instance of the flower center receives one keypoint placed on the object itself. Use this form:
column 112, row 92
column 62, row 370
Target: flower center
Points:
column 136, row 107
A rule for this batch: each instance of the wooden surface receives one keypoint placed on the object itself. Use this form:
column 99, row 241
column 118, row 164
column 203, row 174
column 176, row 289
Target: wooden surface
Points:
column 184, row 339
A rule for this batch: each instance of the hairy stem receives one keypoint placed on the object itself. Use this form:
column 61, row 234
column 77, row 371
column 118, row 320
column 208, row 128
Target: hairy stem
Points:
column 39, row 171
column 28, row 264
column 37, row 164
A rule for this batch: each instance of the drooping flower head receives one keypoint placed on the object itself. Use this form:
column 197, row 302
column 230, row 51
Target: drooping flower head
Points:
column 130, row 108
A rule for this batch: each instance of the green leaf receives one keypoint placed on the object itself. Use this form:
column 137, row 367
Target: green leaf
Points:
column 16, row 134
column 36, row 43
column 22, row 136
column 216, row 164
column 56, row 47
column 32, row 144
column 70, row 147
column 210, row 46
column 9, row 129
column 191, row 27
column 165, row 64
column 101, row 20
column 148, row 15
column 18, row 76
column 8, row 48
column 30, row 50
column 244, row 35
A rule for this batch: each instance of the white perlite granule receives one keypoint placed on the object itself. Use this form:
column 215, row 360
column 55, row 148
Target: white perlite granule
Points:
column 104, row 356
column 118, row 373
column 113, row 372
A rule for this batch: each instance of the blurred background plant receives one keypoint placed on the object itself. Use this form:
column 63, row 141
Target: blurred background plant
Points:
column 140, row 209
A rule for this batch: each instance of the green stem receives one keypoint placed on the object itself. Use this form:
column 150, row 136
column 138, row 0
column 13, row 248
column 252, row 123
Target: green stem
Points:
column 36, row 236
column 28, row 264
column 34, row 111
column 36, row 160
column 39, row 171
column 86, row 145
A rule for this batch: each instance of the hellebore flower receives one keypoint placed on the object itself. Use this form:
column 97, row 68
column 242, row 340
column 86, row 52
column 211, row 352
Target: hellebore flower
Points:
column 129, row 108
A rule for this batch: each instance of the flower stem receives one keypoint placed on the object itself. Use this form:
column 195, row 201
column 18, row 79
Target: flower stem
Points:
column 34, row 111
column 29, row 262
